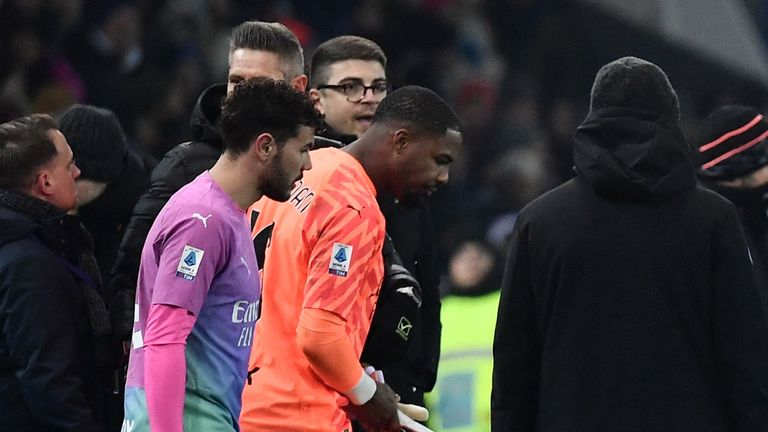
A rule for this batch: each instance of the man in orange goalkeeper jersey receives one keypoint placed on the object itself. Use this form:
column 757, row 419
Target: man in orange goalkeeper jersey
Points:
column 322, row 270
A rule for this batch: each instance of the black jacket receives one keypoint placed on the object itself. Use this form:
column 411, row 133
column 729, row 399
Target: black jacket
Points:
column 628, row 302
column 50, row 378
column 179, row 166
column 107, row 217
column 752, row 205
column 410, row 227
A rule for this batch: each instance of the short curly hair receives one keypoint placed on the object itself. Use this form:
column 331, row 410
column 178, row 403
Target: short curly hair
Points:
column 263, row 105
column 420, row 107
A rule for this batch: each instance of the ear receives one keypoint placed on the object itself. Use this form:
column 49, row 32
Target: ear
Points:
column 400, row 140
column 264, row 146
column 300, row 83
column 43, row 185
column 314, row 94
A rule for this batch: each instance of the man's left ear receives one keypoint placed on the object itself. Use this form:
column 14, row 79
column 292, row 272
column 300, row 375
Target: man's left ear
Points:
column 264, row 145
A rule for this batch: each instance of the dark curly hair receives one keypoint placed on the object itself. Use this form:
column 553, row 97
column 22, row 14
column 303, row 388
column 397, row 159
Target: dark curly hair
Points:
column 262, row 105
column 25, row 146
column 420, row 107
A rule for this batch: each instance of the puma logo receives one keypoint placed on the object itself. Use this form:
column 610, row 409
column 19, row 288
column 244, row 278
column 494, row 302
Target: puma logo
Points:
column 204, row 219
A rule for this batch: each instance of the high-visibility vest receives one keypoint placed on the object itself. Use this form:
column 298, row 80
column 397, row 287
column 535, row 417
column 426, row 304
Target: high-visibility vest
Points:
column 461, row 399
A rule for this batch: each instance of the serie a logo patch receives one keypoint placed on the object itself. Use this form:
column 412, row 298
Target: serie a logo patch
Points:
column 341, row 257
column 189, row 262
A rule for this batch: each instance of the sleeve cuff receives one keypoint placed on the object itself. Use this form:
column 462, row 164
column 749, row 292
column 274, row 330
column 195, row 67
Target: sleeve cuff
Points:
column 363, row 391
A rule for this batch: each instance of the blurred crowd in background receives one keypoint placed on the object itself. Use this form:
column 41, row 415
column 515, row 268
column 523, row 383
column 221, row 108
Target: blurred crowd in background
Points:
column 516, row 71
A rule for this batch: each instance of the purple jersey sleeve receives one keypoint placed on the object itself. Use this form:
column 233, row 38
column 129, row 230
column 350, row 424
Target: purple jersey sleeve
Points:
column 190, row 255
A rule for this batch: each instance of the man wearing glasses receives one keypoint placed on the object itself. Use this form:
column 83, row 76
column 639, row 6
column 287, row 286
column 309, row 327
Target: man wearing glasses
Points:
column 347, row 82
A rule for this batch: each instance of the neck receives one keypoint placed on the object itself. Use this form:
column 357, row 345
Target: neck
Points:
column 367, row 151
column 237, row 180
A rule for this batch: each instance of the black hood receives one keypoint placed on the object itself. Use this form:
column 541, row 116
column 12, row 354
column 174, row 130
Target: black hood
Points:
column 205, row 115
column 631, row 154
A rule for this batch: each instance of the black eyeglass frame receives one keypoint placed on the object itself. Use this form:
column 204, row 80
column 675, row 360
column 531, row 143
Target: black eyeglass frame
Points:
column 341, row 88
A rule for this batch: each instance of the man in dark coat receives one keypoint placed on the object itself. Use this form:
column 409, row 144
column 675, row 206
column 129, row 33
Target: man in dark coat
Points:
column 256, row 49
column 112, row 177
column 628, row 302
column 54, row 328
column 734, row 163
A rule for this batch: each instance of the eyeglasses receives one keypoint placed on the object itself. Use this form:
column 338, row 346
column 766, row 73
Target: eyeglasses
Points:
column 355, row 90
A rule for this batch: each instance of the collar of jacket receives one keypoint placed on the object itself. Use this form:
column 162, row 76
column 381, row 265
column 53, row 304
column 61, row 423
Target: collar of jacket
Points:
column 326, row 131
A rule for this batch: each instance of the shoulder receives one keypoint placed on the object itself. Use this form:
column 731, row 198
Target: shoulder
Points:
column 185, row 161
column 30, row 262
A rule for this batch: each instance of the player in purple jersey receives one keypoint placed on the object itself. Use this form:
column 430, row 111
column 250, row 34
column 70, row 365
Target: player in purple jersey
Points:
column 198, row 287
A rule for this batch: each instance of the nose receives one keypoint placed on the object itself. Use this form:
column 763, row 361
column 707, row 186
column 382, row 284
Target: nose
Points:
column 76, row 172
column 307, row 165
column 442, row 177
column 368, row 96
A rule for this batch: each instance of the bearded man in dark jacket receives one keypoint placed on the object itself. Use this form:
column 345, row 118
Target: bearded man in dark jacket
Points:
column 54, row 328
column 628, row 302
column 257, row 49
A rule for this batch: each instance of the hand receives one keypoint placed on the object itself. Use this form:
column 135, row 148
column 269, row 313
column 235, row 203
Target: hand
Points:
column 380, row 413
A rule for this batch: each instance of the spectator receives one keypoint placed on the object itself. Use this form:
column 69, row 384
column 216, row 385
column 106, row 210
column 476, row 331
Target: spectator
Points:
column 460, row 400
column 628, row 302
column 112, row 177
column 53, row 323
column 735, row 164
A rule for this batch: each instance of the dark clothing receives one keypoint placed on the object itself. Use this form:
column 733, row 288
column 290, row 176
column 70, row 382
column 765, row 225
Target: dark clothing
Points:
column 752, row 205
column 410, row 226
column 54, row 330
column 330, row 133
column 107, row 217
column 179, row 166
column 628, row 302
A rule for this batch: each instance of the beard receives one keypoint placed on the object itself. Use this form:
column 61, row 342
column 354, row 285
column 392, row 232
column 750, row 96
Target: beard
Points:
column 277, row 183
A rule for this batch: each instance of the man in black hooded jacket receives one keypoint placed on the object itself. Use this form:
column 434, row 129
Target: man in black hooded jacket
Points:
column 628, row 302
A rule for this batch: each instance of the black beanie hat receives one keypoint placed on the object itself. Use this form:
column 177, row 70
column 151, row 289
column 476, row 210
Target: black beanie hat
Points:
column 631, row 82
column 97, row 140
column 733, row 146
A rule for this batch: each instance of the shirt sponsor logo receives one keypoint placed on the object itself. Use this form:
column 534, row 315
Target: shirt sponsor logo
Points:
column 189, row 262
column 245, row 312
column 341, row 257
